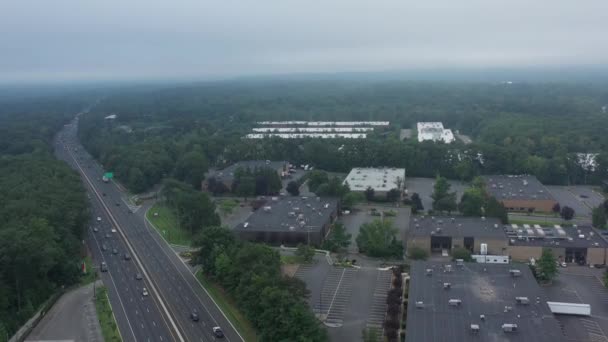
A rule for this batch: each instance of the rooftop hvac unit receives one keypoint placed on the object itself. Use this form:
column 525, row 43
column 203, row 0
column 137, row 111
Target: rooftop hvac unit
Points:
column 460, row 262
column 515, row 273
column 522, row 300
column 475, row 328
column 448, row 268
column 429, row 271
column 267, row 208
column 291, row 214
column 509, row 327
column 581, row 236
column 419, row 304
column 246, row 224
column 484, row 248
column 326, row 205
column 454, row 302
column 447, row 286
column 482, row 317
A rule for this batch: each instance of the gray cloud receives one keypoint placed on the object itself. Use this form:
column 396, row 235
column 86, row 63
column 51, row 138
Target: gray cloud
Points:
column 139, row 39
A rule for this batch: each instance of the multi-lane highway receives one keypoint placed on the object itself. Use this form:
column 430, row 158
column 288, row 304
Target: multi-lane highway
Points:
column 174, row 292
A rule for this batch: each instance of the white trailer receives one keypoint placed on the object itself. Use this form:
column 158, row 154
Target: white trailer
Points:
column 562, row 308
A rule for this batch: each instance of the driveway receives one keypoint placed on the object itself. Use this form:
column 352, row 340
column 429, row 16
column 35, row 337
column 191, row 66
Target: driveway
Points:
column 581, row 198
column 73, row 317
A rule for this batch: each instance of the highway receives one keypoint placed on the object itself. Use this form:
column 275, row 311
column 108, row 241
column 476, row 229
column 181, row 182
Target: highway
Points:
column 174, row 291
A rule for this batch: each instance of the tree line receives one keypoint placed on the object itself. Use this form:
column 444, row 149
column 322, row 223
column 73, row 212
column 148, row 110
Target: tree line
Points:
column 44, row 210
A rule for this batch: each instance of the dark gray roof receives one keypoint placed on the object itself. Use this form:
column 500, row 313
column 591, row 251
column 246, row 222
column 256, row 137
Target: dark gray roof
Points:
column 580, row 236
column 227, row 174
column 287, row 213
column 484, row 289
column 456, row 226
column 516, row 187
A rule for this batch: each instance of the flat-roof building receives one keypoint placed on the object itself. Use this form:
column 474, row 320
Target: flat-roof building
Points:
column 439, row 234
column 434, row 131
column 477, row 302
column 581, row 244
column 520, row 192
column 382, row 180
column 226, row 175
column 290, row 220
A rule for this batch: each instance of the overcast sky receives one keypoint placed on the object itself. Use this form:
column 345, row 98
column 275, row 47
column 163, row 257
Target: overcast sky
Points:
column 154, row 39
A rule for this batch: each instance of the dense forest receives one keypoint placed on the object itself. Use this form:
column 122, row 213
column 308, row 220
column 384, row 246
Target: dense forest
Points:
column 516, row 128
column 43, row 208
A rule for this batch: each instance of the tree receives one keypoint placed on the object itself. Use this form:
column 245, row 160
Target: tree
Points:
column 547, row 268
column 461, row 253
column 316, row 178
column 447, row 203
column 416, row 203
column 378, row 239
column 567, row 213
column 305, row 253
column 246, row 187
column 293, row 188
column 417, row 253
column 599, row 218
column 191, row 169
column 556, row 209
column 370, row 334
column 338, row 239
column 351, row 199
column 472, row 202
column 227, row 206
column 494, row 208
column 211, row 242
column 393, row 195
column 369, row 194
column 443, row 199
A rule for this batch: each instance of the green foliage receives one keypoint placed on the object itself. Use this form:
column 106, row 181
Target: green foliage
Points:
column 338, row 239
column 227, row 206
column 599, row 217
column 370, row 334
column 257, row 182
column 369, row 194
column 250, row 274
column 416, row 203
column 332, row 186
column 378, row 239
column 305, row 253
column 461, row 253
column 393, row 195
column 472, row 202
column 567, row 213
column 315, row 179
column 109, row 329
column 443, row 199
column 191, row 168
column 293, row 188
column 194, row 209
column 417, row 253
column 547, row 268
column 494, row 208
column 605, row 278
column 351, row 199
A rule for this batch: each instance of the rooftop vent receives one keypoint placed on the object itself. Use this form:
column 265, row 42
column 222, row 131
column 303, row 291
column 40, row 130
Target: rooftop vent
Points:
column 420, row 304
column 246, row 224
column 447, row 286
column 522, row 300
column 509, row 327
column 482, row 317
column 455, row 302
column 475, row 328
column 448, row 268
column 429, row 271
column 460, row 262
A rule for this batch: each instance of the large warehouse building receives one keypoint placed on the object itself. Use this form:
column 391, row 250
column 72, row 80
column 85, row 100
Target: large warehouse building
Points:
column 582, row 245
column 290, row 220
column 226, row 175
column 382, row 180
column 477, row 302
column 436, row 234
column 520, row 193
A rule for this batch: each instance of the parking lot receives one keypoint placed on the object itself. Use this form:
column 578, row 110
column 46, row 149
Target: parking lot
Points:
column 581, row 285
column 424, row 188
column 361, row 214
column 346, row 299
column 581, row 198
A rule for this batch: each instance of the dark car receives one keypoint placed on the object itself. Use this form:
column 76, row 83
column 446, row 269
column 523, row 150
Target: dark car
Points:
column 103, row 193
column 217, row 332
column 194, row 316
column 104, row 267
column 95, row 229
column 104, row 248
column 108, row 235
column 138, row 276
column 114, row 251
column 117, row 204
column 127, row 256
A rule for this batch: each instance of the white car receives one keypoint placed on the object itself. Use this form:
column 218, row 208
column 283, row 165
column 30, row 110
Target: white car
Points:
column 144, row 292
column 98, row 219
column 113, row 230
column 563, row 264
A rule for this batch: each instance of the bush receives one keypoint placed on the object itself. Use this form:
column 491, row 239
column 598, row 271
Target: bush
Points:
column 461, row 253
column 416, row 253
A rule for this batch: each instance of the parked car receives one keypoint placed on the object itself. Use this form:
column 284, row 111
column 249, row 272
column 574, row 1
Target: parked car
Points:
column 138, row 276
column 194, row 316
column 104, row 266
column 217, row 332
column 127, row 256
column 144, row 292
column 98, row 219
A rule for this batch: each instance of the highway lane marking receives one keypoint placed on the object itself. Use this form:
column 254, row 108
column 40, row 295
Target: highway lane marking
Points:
column 146, row 222
column 109, row 214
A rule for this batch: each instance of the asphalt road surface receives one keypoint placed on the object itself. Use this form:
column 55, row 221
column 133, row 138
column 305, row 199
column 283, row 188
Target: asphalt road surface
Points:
column 174, row 291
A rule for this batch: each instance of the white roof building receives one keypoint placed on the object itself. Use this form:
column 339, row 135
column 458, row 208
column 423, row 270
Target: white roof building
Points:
column 434, row 131
column 380, row 179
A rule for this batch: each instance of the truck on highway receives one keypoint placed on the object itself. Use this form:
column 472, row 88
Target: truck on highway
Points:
column 107, row 176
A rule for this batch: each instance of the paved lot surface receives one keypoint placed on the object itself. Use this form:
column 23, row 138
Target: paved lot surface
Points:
column 424, row 188
column 580, row 198
column 349, row 299
column 582, row 285
column 361, row 215
column 73, row 317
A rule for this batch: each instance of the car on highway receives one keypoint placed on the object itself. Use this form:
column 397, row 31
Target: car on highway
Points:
column 194, row 316
column 117, row 204
column 98, row 219
column 108, row 235
column 104, row 247
column 104, row 266
column 144, row 292
column 103, row 194
column 127, row 256
column 138, row 276
column 113, row 230
column 114, row 251
column 217, row 332
column 95, row 229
